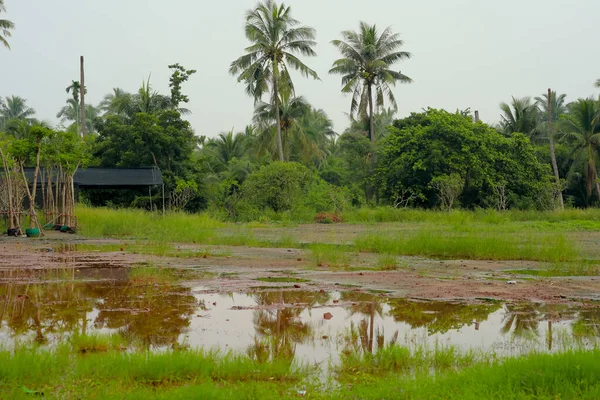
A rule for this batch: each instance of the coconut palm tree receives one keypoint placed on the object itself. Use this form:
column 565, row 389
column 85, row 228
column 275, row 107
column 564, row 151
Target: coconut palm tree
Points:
column 6, row 27
column 551, row 106
column 366, row 69
column 276, row 40
column 581, row 129
column 303, row 137
column 71, row 113
column 521, row 115
column 227, row 146
column 14, row 107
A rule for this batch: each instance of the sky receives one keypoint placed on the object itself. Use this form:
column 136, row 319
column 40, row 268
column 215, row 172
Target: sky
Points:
column 466, row 53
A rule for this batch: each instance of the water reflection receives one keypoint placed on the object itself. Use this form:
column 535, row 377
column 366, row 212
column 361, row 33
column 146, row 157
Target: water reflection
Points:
column 152, row 315
column 285, row 325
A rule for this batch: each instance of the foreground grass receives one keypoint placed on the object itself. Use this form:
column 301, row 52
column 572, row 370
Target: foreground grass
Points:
column 571, row 375
column 101, row 372
column 70, row 372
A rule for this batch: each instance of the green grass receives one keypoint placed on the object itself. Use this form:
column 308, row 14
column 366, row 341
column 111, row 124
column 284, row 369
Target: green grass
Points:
column 387, row 262
column 474, row 245
column 66, row 373
column 131, row 223
column 330, row 255
column 588, row 219
column 570, row 375
column 392, row 372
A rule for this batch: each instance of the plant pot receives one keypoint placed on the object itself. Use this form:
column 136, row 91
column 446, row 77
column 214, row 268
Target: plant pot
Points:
column 49, row 226
column 64, row 228
column 12, row 232
column 32, row 232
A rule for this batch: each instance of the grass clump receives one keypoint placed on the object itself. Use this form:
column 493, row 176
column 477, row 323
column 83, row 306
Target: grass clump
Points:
column 387, row 262
column 329, row 255
column 149, row 275
column 471, row 245
column 95, row 343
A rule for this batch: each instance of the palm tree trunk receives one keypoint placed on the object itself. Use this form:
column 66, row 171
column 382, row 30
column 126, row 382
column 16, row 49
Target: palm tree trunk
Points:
column 371, row 120
column 552, row 153
column 277, row 116
column 82, row 96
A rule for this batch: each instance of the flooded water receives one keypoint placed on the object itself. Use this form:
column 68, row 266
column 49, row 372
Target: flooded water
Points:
column 314, row 327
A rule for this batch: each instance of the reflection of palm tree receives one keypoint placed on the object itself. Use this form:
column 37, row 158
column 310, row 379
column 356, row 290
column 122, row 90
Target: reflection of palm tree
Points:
column 368, row 305
column 282, row 326
column 521, row 319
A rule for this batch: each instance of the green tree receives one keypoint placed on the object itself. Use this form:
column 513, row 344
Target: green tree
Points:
column 366, row 67
column 227, row 146
column 14, row 108
column 6, row 27
column 304, row 130
column 581, row 129
column 278, row 186
column 179, row 76
column 521, row 115
column 598, row 83
column 426, row 146
column 71, row 113
column 383, row 120
column 276, row 40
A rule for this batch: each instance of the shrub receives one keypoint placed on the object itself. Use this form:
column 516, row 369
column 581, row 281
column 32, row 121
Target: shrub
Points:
column 327, row 218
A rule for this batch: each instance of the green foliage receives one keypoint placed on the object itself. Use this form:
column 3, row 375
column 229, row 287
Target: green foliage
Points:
column 278, row 186
column 6, row 27
column 180, row 75
column 425, row 147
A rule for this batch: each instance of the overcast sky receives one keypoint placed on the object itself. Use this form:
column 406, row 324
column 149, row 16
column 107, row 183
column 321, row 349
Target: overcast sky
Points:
column 466, row 53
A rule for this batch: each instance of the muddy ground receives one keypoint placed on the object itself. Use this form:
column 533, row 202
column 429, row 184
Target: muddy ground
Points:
column 242, row 269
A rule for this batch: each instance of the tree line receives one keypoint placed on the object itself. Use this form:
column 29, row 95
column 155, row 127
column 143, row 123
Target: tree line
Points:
column 288, row 159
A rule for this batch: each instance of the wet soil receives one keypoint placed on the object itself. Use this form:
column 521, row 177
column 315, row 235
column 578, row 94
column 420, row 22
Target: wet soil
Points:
column 242, row 269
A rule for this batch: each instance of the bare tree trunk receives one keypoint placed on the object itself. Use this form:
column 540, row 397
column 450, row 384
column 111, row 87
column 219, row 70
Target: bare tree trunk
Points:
column 277, row 116
column 11, row 222
column 552, row 152
column 82, row 96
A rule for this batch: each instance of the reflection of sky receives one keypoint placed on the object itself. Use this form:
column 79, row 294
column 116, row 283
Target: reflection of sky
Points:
column 233, row 329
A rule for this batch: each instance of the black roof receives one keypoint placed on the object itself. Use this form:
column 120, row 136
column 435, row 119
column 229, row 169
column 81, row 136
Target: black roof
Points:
column 110, row 177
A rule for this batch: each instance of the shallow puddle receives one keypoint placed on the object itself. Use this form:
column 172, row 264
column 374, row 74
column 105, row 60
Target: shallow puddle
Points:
column 314, row 327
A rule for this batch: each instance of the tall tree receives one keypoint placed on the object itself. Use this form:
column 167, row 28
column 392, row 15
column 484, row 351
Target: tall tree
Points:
column 366, row 67
column 551, row 107
column 521, row 116
column 179, row 76
column 304, row 130
column 582, row 132
column 6, row 27
column 276, row 39
column 598, row 83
